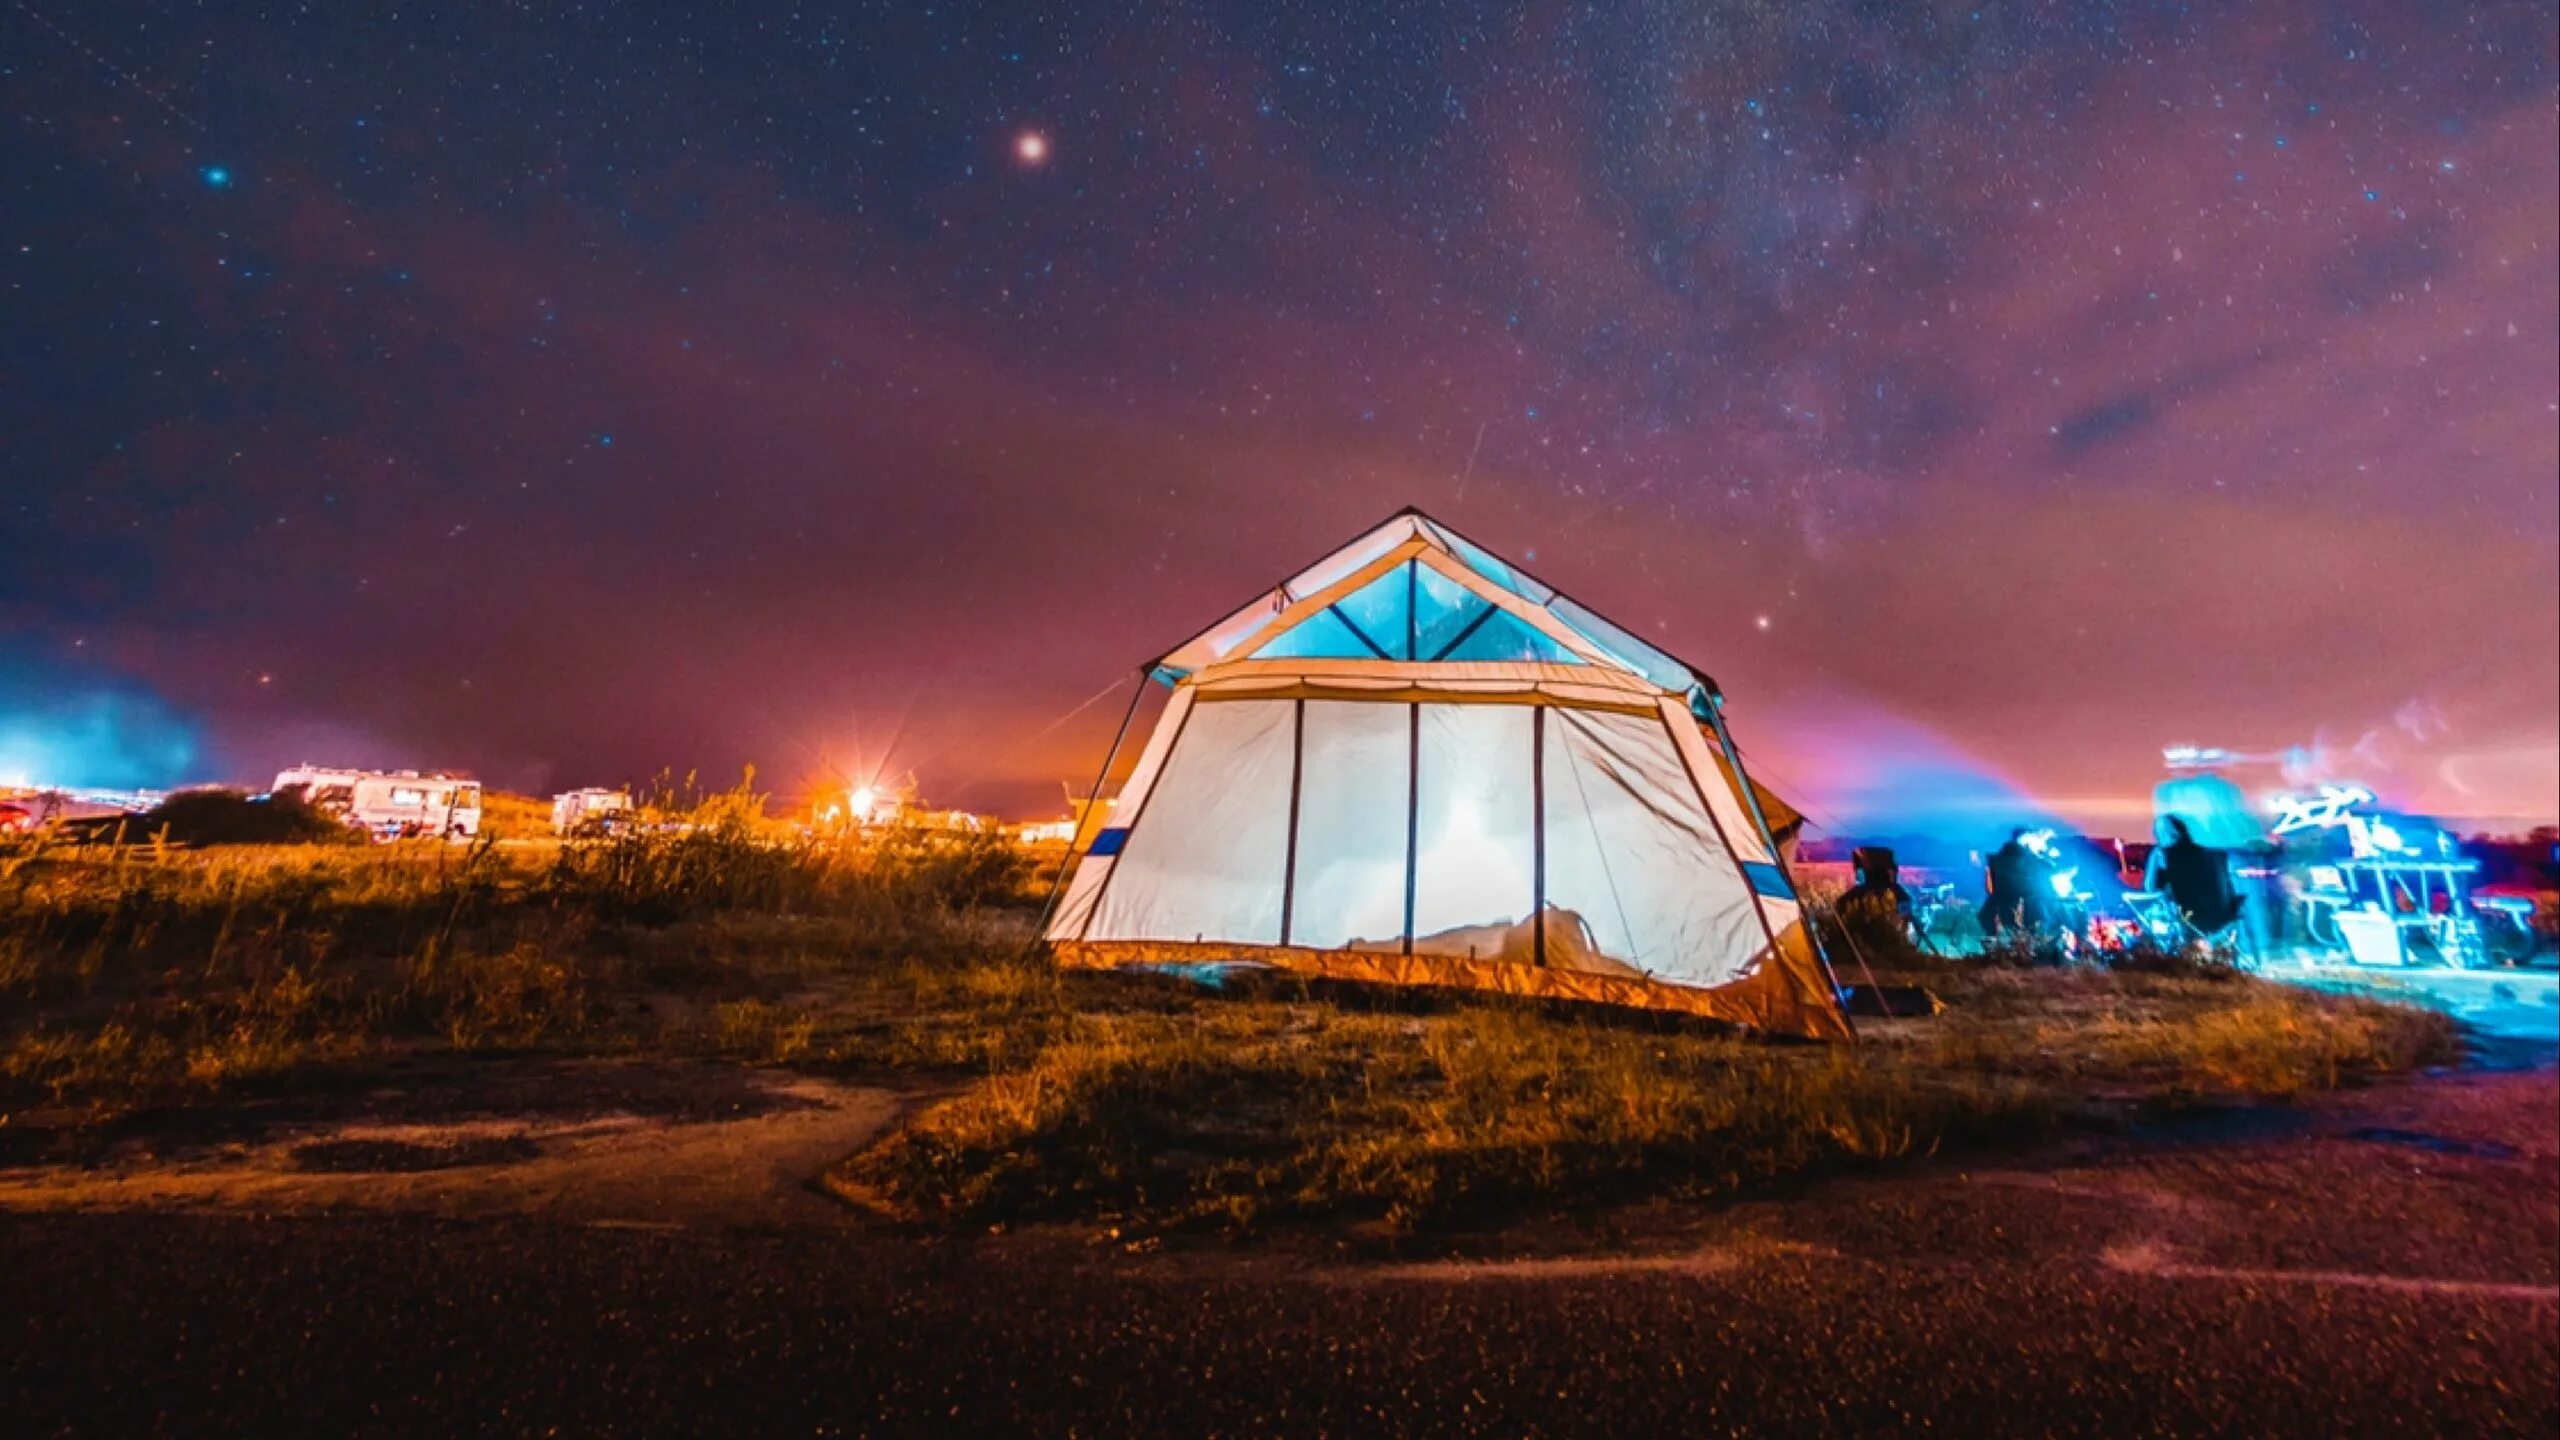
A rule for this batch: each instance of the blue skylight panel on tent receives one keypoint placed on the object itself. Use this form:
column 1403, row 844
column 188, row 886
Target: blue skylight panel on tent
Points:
column 1504, row 637
column 1612, row 639
column 1383, row 610
column 1322, row 636
column 1441, row 609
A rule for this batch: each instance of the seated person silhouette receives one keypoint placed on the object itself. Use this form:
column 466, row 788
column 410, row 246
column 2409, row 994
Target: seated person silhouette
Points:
column 2197, row 878
column 1878, row 896
column 2020, row 882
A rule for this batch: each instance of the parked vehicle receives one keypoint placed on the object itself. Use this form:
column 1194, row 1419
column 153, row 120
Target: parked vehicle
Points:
column 583, row 813
column 390, row 804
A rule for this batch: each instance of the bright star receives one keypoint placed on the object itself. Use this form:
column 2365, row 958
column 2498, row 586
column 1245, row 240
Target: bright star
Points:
column 1032, row 147
column 217, row 176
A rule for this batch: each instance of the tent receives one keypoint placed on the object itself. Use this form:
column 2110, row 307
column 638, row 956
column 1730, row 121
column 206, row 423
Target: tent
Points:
column 1413, row 763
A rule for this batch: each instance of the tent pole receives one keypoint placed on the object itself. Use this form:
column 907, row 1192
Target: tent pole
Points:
column 1538, row 836
column 1092, row 798
column 1297, row 777
column 1412, row 818
column 1751, row 797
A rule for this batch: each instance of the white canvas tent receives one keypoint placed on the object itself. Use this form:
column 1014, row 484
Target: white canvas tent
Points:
column 1413, row 763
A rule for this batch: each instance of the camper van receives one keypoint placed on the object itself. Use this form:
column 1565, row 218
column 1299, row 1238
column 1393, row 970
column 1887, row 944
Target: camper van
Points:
column 390, row 804
column 590, row 812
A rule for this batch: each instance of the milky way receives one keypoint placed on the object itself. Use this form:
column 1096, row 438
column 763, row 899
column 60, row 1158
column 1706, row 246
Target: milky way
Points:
column 569, row 395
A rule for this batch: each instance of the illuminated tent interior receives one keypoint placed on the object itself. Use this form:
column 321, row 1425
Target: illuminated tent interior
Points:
column 1412, row 763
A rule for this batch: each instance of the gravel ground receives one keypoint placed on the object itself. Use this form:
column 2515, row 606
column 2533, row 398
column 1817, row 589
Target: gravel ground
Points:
column 2383, row 1263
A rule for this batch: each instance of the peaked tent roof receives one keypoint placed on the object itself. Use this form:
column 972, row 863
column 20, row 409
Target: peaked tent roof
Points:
column 1536, row 622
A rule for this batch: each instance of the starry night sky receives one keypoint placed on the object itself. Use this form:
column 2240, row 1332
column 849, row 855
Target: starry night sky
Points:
column 1987, row 395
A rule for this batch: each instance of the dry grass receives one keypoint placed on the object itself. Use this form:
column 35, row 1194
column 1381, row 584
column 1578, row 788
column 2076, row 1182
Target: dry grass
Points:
column 1245, row 1112
column 154, row 976
column 149, row 974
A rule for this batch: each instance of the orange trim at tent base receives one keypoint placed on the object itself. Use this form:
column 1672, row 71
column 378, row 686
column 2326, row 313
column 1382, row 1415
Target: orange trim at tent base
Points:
column 1763, row 1000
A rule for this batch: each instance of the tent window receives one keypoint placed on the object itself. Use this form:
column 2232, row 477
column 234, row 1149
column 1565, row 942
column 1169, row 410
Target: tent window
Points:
column 1636, row 875
column 1383, row 619
column 1499, row 636
column 1354, row 777
column 1474, row 833
column 1324, row 635
column 1361, row 634
column 1414, row 612
column 1381, row 612
column 1205, row 854
column 1442, row 610
column 1465, row 820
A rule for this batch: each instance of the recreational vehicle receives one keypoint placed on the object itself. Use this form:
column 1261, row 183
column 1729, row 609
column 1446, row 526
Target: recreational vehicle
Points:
column 590, row 812
column 390, row 804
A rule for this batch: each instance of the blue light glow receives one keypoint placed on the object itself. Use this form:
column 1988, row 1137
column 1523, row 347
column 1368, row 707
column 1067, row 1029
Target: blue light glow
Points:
column 64, row 730
column 1872, row 774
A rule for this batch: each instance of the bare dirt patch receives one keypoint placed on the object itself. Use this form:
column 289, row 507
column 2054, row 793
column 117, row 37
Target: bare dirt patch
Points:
column 619, row 1142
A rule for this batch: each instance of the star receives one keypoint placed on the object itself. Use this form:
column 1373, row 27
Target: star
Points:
column 217, row 176
column 1031, row 147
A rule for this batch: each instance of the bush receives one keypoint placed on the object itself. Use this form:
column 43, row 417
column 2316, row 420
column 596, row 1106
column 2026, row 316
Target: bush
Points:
column 228, row 817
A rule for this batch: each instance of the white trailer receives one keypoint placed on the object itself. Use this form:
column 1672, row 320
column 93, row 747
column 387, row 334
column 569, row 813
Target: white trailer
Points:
column 390, row 804
column 589, row 812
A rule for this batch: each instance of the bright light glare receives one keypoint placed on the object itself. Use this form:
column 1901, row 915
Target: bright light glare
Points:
column 1467, row 874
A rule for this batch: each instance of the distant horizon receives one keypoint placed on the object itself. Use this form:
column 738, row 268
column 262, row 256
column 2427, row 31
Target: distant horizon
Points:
column 2136, row 813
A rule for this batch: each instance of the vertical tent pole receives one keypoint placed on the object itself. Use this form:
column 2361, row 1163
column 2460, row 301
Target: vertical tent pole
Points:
column 1297, row 773
column 1538, row 835
column 1412, row 821
column 1092, row 798
column 1751, row 797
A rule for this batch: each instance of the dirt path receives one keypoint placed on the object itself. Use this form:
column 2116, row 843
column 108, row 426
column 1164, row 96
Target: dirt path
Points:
column 667, row 1144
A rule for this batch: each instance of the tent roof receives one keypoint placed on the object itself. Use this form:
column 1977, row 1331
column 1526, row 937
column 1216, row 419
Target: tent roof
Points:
column 1579, row 634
